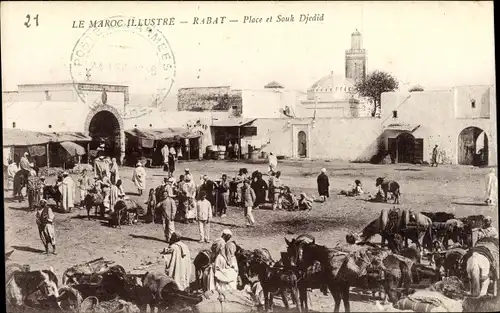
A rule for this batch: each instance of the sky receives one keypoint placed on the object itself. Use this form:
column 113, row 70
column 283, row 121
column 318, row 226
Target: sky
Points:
column 433, row 44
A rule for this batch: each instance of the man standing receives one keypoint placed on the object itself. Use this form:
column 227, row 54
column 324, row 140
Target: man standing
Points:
column 187, row 174
column 178, row 262
column 67, row 189
column 139, row 178
column 168, row 210
column 171, row 163
column 101, row 168
column 275, row 190
column 230, row 247
column 189, row 191
column 434, row 159
column 12, row 169
column 204, row 215
column 236, row 148
column 208, row 187
column 45, row 221
column 273, row 163
column 165, row 152
column 248, row 200
column 323, row 185
column 491, row 187
column 223, row 196
column 84, row 183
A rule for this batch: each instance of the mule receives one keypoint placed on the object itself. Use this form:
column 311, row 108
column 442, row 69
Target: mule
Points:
column 389, row 186
column 21, row 284
column 124, row 212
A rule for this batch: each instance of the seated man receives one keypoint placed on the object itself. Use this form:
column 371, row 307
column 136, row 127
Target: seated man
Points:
column 305, row 203
column 356, row 191
column 488, row 230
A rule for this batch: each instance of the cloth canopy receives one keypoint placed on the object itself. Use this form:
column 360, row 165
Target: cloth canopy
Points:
column 162, row 133
column 73, row 148
column 19, row 138
column 68, row 136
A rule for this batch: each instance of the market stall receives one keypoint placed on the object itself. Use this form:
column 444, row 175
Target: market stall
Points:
column 146, row 144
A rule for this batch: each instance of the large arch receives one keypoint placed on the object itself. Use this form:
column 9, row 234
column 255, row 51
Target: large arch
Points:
column 473, row 147
column 104, row 123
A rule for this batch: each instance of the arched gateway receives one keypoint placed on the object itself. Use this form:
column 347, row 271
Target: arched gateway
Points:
column 105, row 124
column 473, row 147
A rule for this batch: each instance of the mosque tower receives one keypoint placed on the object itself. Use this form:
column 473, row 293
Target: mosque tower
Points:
column 355, row 58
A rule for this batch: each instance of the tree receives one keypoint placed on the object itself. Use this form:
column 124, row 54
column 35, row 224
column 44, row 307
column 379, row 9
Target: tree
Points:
column 374, row 85
column 416, row 88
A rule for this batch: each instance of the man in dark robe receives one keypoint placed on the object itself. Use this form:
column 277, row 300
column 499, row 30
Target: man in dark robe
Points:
column 259, row 186
column 323, row 185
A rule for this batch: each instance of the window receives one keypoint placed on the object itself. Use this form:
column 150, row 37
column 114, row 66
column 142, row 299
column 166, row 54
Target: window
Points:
column 473, row 103
column 234, row 107
column 14, row 125
column 47, row 95
column 50, row 126
column 394, row 114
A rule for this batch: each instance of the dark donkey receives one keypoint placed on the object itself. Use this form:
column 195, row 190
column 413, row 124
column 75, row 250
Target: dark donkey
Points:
column 304, row 255
column 389, row 186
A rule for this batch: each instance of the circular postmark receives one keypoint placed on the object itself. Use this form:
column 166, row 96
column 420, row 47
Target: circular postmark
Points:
column 122, row 58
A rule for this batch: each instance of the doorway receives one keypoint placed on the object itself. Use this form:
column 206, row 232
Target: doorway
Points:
column 473, row 147
column 105, row 127
column 302, row 144
column 405, row 144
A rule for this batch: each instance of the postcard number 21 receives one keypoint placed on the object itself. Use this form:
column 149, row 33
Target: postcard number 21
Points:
column 28, row 20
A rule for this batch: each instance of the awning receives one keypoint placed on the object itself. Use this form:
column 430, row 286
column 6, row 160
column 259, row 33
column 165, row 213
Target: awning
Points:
column 14, row 137
column 402, row 127
column 162, row 133
column 68, row 136
column 234, row 122
column 73, row 148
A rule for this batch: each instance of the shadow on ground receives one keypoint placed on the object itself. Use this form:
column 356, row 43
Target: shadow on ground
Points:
column 28, row 249
column 470, row 203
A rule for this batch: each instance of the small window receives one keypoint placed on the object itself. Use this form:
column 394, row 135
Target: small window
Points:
column 394, row 114
column 150, row 125
column 234, row 107
column 473, row 103
column 50, row 126
column 14, row 125
column 47, row 95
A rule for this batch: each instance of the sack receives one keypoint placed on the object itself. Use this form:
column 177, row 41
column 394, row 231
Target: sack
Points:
column 407, row 304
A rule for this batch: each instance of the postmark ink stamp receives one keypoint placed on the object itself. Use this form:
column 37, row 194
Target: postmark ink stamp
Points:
column 128, row 55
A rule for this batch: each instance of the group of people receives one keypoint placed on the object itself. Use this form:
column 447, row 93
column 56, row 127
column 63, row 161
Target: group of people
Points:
column 222, row 273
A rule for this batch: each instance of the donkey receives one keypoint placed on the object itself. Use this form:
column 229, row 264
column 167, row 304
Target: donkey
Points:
column 389, row 186
column 201, row 263
column 95, row 200
column 480, row 266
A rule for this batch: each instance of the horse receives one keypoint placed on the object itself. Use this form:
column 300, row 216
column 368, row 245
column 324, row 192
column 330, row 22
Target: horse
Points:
column 21, row 284
column 389, row 186
column 95, row 200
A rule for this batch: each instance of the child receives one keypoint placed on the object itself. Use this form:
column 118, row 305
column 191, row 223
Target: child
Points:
column 356, row 191
column 204, row 215
column 248, row 200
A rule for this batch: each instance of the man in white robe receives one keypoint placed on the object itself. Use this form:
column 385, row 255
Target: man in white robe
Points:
column 178, row 262
column 273, row 163
column 12, row 169
column 491, row 187
column 101, row 168
column 139, row 178
column 67, row 189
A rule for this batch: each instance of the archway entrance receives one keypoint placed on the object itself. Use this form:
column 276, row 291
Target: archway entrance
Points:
column 405, row 148
column 105, row 127
column 302, row 141
column 473, row 147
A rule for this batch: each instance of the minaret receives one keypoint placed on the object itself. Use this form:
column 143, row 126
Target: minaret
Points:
column 355, row 58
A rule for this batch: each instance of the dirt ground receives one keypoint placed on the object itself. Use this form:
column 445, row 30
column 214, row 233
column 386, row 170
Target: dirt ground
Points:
column 456, row 189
